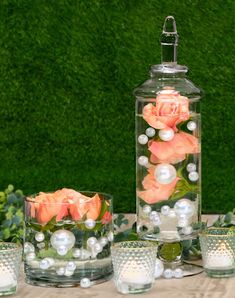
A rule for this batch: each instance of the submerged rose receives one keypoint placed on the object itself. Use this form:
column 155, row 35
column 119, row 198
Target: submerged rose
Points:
column 169, row 110
column 63, row 203
column 175, row 150
column 154, row 191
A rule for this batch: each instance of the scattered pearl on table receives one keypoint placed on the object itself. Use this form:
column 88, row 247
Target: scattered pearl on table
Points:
column 143, row 139
column 91, row 241
column 110, row 236
column 71, row 266
column 62, row 240
column 60, row 271
column 28, row 247
column 191, row 125
column 166, row 134
column 103, row 241
column 30, row 256
column 193, row 176
column 62, row 250
column 165, row 173
column 85, row 282
column 187, row 230
column 165, row 210
column 168, row 273
column 159, row 268
column 191, row 167
column 178, row 273
column 150, row 132
column 39, row 237
column 90, row 223
column 76, row 253
column 147, row 209
column 184, row 207
column 143, row 160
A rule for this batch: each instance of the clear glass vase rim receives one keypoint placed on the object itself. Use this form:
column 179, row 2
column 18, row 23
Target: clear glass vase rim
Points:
column 206, row 233
column 12, row 246
column 149, row 245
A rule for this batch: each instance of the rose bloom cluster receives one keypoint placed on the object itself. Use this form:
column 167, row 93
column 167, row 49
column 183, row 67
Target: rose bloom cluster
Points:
column 66, row 203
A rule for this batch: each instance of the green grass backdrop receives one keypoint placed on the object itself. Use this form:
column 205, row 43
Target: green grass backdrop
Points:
column 67, row 72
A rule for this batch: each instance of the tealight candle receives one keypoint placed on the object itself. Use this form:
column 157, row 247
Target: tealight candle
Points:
column 131, row 275
column 221, row 258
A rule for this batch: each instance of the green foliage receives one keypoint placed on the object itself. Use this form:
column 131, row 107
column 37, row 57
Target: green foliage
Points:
column 11, row 215
column 67, row 71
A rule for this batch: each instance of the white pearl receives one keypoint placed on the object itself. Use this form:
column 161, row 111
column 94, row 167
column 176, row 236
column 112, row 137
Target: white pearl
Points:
column 41, row 245
column 191, row 167
column 172, row 213
column 182, row 222
column 147, row 209
column 44, row 264
column 178, row 273
column 97, row 248
column 60, row 271
column 71, row 266
column 76, row 253
column 91, row 241
column 68, row 272
column 90, row 223
column 39, row 236
column 187, row 230
column 165, row 210
column 184, row 207
column 143, row 139
column 110, row 236
column 168, row 273
column 143, row 161
column 156, row 221
column 191, row 125
column 62, row 250
column 62, row 238
column 85, row 254
column 103, row 241
column 85, row 282
column 159, row 268
column 150, row 132
column 166, row 134
column 153, row 215
column 193, row 176
column 28, row 247
column 165, row 173
column 30, row 256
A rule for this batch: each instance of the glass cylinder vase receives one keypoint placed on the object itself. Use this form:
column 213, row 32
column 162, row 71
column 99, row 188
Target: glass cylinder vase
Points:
column 168, row 164
column 67, row 240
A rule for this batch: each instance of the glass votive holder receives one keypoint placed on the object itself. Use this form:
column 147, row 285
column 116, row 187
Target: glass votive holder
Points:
column 133, row 265
column 10, row 259
column 218, row 251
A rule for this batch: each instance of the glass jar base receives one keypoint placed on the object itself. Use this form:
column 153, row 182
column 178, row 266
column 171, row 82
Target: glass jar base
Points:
column 6, row 292
column 132, row 288
column 217, row 273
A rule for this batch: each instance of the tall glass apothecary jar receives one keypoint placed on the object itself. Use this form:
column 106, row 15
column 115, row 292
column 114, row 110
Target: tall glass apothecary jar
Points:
column 168, row 146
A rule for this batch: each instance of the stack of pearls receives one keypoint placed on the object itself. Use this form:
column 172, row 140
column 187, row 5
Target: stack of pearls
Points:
column 184, row 210
column 155, row 218
column 143, row 140
column 68, row 270
column 62, row 241
column 29, row 251
column 193, row 174
column 166, row 273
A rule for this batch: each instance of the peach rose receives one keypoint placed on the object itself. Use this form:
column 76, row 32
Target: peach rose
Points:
column 154, row 191
column 170, row 109
column 175, row 150
column 63, row 203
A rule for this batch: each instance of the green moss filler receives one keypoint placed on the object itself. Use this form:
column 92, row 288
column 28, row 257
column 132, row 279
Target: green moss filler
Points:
column 67, row 72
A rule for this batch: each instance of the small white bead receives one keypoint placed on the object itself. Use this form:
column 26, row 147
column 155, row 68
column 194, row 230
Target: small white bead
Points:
column 91, row 241
column 172, row 213
column 68, row 272
column 44, row 264
column 85, row 282
column 178, row 273
column 62, row 250
column 153, row 215
column 168, row 273
column 28, row 247
column 71, row 266
column 182, row 223
column 156, row 221
column 143, row 161
column 150, row 132
column 143, row 139
column 165, row 210
column 187, row 230
column 30, row 256
column 103, row 241
column 41, row 245
column 76, row 253
column 193, row 176
column 90, row 223
column 60, row 271
column 110, row 236
column 97, row 248
column 39, row 237
column 159, row 268
column 166, row 134
column 191, row 125
column 191, row 167
column 147, row 209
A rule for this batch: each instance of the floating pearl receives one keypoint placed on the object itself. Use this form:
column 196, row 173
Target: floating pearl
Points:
column 182, row 222
column 166, row 134
column 97, row 248
column 90, row 223
column 172, row 213
column 44, row 264
column 103, row 241
column 187, row 230
column 28, row 247
column 85, row 282
column 41, row 245
column 150, row 132
column 143, row 161
column 85, row 254
column 159, row 268
column 147, row 209
column 191, row 125
column 178, row 273
column 76, row 253
column 39, row 236
column 68, row 272
column 62, row 240
column 143, row 139
column 153, row 215
column 168, row 273
column 30, row 256
column 165, row 173
column 191, row 167
column 165, row 210
column 110, row 236
column 193, row 176
column 71, row 266
column 156, row 221
column 62, row 250
column 91, row 241
column 184, row 207
column 60, row 271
